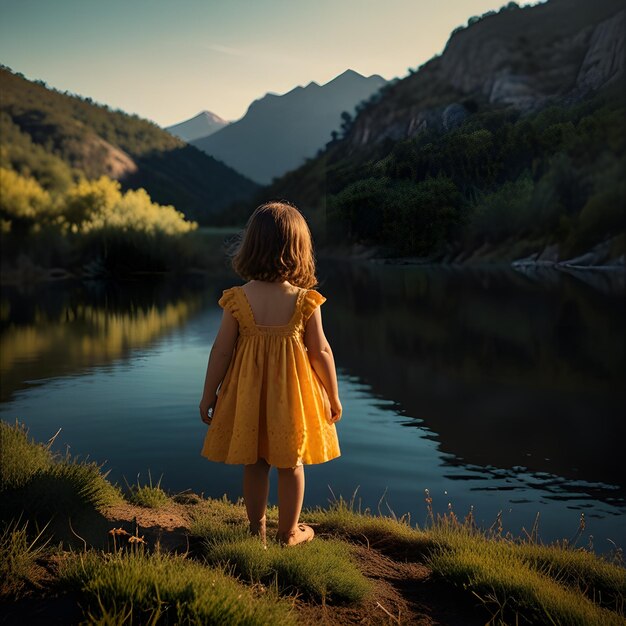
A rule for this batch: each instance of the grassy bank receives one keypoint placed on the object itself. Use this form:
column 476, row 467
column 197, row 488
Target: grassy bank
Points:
column 77, row 549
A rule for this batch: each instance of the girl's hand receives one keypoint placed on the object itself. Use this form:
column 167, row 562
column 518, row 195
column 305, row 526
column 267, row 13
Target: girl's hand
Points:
column 335, row 410
column 206, row 410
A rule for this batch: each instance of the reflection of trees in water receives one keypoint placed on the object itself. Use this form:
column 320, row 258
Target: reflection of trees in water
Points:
column 476, row 324
column 54, row 332
column 505, row 370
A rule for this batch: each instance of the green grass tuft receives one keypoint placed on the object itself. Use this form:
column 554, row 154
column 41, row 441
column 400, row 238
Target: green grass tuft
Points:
column 18, row 559
column 158, row 588
column 385, row 533
column 43, row 486
column 322, row 570
column 514, row 578
column 45, row 482
column 20, row 456
column 522, row 579
column 149, row 495
column 219, row 521
column 66, row 488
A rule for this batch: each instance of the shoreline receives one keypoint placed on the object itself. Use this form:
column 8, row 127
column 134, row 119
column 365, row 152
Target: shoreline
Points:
column 107, row 551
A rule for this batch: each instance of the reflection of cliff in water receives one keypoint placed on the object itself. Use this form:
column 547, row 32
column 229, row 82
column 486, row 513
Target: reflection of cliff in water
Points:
column 63, row 329
column 505, row 370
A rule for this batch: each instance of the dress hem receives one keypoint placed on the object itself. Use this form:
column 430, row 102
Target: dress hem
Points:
column 269, row 462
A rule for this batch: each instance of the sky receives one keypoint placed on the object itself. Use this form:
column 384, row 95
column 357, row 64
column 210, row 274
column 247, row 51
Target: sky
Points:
column 167, row 60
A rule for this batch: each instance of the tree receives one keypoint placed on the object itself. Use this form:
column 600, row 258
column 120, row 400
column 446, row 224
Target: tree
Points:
column 346, row 122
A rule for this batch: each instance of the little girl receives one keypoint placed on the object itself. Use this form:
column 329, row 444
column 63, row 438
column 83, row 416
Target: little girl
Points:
column 278, row 399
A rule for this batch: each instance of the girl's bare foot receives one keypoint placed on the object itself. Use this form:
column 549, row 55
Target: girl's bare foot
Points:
column 302, row 534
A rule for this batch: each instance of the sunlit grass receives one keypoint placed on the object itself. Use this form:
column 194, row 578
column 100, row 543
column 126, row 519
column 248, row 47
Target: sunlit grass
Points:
column 148, row 495
column 381, row 531
column 134, row 587
column 43, row 484
column 323, row 570
column 530, row 581
column 64, row 495
column 516, row 579
column 20, row 456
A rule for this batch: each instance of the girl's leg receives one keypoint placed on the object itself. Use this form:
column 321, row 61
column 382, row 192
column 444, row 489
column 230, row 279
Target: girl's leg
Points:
column 290, row 498
column 256, row 487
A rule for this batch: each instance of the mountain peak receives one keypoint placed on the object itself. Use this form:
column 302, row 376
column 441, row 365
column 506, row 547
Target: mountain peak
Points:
column 348, row 75
column 200, row 125
column 212, row 116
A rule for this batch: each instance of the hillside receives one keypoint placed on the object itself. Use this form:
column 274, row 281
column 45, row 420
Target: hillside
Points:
column 201, row 125
column 279, row 131
column 55, row 137
column 523, row 58
column 510, row 145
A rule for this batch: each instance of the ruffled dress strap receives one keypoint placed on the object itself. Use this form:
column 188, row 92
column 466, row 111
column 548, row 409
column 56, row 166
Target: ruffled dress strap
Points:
column 229, row 302
column 232, row 302
column 310, row 301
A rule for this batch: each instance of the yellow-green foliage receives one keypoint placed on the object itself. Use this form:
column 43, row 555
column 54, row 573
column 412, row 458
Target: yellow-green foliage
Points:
column 99, row 204
column 165, row 589
column 88, row 206
column 22, row 197
column 56, row 137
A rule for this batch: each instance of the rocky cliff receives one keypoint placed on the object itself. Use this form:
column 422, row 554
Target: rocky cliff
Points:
column 525, row 58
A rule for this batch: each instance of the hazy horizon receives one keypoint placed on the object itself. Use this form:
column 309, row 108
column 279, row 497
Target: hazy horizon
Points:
column 167, row 62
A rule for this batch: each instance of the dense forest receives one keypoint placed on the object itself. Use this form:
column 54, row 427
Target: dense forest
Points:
column 555, row 177
column 500, row 185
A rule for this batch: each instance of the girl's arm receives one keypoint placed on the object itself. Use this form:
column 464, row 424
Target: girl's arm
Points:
column 219, row 360
column 321, row 358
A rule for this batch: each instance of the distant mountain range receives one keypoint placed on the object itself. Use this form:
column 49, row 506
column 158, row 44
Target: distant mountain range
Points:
column 278, row 132
column 57, row 137
column 201, row 125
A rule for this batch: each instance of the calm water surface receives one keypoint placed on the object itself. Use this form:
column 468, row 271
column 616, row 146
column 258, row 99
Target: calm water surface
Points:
column 492, row 389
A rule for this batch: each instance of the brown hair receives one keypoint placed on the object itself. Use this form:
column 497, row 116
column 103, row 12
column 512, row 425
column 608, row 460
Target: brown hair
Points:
column 276, row 245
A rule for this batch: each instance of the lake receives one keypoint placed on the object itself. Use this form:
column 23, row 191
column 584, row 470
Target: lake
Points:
column 495, row 390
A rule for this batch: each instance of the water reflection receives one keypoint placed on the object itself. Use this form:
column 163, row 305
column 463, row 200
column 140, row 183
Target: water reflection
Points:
column 507, row 371
column 492, row 389
column 61, row 329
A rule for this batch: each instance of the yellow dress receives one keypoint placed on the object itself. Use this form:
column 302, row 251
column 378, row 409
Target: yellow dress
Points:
column 271, row 404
